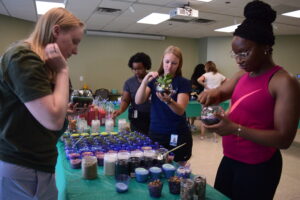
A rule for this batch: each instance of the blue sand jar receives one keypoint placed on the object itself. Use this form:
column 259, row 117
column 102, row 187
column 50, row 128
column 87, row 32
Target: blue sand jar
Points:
column 141, row 174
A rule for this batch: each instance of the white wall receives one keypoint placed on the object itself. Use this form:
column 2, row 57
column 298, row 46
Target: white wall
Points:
column 286, row 53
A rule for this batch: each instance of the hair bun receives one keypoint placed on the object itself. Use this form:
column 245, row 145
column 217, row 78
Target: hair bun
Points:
column 259, row 11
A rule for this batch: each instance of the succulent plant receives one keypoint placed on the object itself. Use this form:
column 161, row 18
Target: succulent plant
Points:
column 163, row 84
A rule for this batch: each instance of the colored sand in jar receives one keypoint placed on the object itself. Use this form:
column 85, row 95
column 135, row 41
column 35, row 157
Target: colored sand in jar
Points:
column 121, row 187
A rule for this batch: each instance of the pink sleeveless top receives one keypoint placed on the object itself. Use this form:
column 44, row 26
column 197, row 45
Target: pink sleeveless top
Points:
column 252, row 106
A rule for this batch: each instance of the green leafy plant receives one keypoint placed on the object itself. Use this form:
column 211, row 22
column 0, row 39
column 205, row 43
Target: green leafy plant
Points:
column 164, row 81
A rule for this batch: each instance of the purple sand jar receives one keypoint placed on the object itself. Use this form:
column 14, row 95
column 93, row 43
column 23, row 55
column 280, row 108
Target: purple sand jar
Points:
column 141, row 174
column 184, row 172
column 75, row 163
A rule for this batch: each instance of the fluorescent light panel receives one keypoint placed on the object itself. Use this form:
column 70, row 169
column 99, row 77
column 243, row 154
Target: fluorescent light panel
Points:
column 227, row 29
column 43, row 6
column 293, row 14
column 154, row 18
column 205, row 0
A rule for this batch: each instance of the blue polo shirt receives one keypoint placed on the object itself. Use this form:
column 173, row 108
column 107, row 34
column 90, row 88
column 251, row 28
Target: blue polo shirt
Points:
column 163, row 119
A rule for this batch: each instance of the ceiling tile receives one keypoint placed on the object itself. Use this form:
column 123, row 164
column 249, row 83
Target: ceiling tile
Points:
column 21, row 9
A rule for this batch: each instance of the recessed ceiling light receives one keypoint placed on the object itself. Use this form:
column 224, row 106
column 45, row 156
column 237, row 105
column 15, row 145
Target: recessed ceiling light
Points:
column 43, row 6
column 205, row 0
column 154, row 18
column 227, row 29
column 293, row 14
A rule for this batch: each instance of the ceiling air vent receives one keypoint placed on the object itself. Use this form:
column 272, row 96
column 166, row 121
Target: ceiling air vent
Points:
column 108, row 11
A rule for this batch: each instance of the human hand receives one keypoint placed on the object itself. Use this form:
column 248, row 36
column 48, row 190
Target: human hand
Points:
column 54, row 58
column 224, row 127
column 116, row 113
column 163, row 97
column 74, row 109
column 150, row 76
column 209, row 97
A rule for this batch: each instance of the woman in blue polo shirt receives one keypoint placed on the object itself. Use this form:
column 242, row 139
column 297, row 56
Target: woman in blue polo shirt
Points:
column 168, row 124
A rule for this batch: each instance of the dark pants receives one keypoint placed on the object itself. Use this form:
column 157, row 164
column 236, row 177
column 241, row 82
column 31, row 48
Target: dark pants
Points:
column 140, row 124
column 183, row 153
column 241, row 181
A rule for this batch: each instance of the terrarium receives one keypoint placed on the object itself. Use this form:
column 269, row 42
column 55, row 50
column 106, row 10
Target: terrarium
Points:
column 208, row 114
column 163, row 84
column 82, row 97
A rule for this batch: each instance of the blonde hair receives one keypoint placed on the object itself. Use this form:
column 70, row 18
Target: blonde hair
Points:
column 210, row 66
column 42, row 33
column 176, row 52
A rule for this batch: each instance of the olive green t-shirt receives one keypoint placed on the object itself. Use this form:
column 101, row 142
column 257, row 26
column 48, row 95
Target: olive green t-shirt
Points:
column 23, row 140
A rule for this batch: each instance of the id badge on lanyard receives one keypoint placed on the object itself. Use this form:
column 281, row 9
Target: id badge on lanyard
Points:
column 173, row 140
column 135, row 114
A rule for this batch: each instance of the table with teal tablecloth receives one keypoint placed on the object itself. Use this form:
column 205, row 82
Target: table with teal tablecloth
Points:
column 71, row 186
column 193, row 109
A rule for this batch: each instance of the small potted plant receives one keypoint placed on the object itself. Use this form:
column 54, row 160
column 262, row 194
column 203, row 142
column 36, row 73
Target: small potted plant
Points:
column 163, row 84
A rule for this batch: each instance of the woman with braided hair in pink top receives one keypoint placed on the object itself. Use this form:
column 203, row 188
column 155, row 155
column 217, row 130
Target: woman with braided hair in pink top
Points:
column 264, row 111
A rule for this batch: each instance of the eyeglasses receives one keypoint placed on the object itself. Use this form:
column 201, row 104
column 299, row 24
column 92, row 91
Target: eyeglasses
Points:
column 241, row 55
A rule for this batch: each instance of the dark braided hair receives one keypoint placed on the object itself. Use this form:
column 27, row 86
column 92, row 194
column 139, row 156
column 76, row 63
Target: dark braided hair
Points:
column 140, row 58
column 257, row 26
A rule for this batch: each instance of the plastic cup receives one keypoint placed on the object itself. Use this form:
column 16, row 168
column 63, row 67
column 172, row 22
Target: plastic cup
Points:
column 122, row 182
column 141, row 174
column 169, row 170
column 155, row 173
column 155, row 188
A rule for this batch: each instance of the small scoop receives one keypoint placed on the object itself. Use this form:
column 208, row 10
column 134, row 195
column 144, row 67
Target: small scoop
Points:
column 161, row 156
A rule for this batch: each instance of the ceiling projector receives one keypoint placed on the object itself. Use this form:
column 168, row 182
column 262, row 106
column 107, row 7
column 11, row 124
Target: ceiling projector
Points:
column 184, row 13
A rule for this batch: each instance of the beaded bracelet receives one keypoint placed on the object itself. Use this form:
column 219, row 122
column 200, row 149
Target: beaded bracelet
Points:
column 239, row 130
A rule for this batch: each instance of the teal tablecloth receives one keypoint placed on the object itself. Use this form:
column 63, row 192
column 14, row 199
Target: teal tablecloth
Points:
column 193, row 109
column 72, row 187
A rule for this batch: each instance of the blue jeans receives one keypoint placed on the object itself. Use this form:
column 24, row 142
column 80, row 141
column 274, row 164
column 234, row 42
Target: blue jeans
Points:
column 21, row 183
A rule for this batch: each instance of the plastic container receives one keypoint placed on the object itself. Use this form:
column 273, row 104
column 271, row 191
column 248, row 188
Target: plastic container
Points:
column 89, row 167
column 174, row 185
column 122, row 182
column 122, row 164
column 200, row 187
column 75, row 163
column 155, row 188
column 183, row 172
column 187, row 189
column 110, row 159
column 149, row 157
column 141, row 174
column 169, row 170
column 155, row 173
